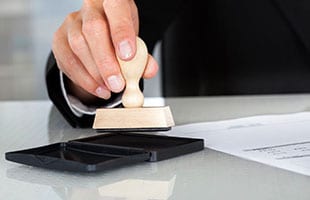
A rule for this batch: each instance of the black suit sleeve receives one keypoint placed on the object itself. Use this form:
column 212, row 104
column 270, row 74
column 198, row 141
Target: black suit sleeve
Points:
column 53, row 85
column 155, row 16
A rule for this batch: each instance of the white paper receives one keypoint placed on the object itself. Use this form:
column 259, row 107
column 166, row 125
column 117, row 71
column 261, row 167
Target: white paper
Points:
column 278, row 140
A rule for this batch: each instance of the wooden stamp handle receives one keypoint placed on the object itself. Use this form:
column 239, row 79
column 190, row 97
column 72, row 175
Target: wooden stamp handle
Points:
column 132, row 72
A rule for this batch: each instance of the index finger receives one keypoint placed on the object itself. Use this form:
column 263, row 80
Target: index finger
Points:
column 121, row 24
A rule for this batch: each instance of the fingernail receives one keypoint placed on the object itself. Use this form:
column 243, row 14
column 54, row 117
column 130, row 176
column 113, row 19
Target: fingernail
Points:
column 103, row 93
column 115, row 83
column 125, row 49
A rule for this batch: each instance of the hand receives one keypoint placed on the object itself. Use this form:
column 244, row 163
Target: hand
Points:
column 88, row 42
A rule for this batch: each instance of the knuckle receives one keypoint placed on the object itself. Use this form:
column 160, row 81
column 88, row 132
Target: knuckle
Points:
column 104, row 62
column 77, row 42
column 70, row 17
column 124, row 22
column 88, row 83
column 107, row 66
column 69, row 64
column 120, row 33
column 94, row 73
column 98, row 78
column 88, row 3
column 122, row 28
column 93, row 26
column 112, row 3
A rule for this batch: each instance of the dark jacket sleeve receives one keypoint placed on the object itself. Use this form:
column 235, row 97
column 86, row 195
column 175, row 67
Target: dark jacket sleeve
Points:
column 53, row 85
column 152, row 27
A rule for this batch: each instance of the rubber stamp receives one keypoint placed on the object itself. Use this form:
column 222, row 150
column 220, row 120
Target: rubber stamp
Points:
column 134, row 117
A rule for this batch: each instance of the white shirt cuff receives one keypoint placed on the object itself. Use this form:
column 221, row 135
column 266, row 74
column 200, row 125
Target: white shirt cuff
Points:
column 77, row 107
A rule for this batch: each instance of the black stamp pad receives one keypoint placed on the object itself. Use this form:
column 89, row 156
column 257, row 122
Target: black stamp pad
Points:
column 105, row 151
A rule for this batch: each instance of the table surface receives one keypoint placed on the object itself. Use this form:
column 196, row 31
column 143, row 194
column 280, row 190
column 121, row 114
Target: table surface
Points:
column 207, row 174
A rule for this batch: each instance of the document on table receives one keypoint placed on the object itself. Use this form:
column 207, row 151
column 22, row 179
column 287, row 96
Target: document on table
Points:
column 278, row 140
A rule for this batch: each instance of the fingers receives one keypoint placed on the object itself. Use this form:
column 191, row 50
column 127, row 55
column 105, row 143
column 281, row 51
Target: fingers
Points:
column 151, row 68
column 134, row 16
column 96, row 32
column 88, row 43
column 69, row 63
column 80, row 48
column 121, row 15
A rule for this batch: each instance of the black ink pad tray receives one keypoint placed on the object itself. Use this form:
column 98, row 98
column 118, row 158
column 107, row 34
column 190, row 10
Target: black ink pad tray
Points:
column 106, row 151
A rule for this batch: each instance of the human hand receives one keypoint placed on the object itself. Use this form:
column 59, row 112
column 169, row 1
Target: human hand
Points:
column 88, row 42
